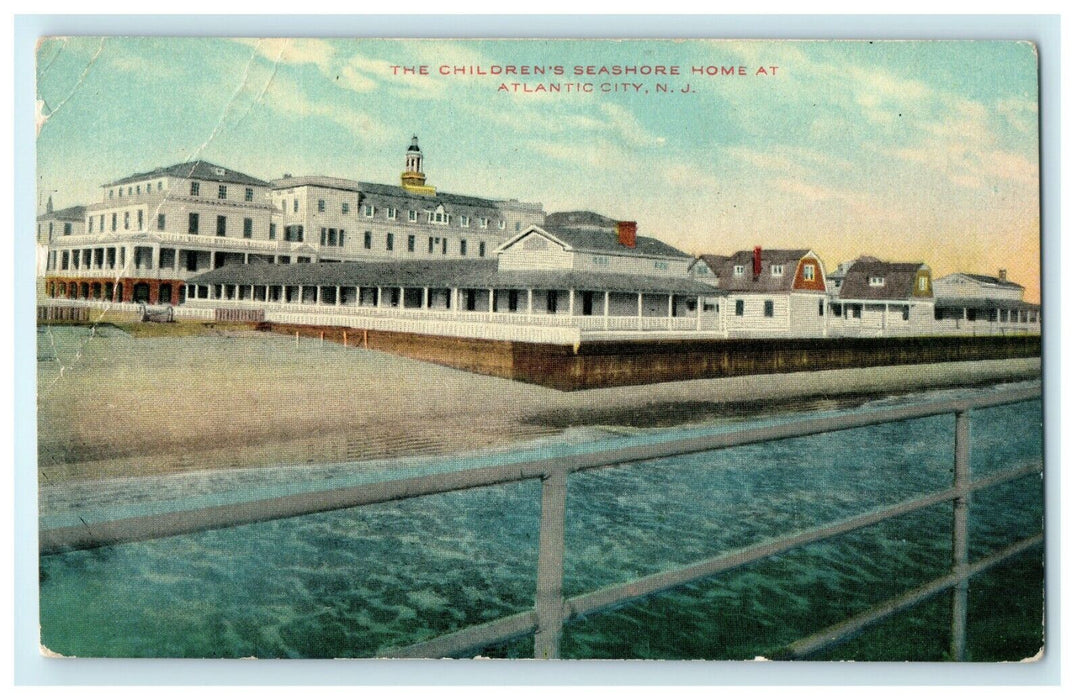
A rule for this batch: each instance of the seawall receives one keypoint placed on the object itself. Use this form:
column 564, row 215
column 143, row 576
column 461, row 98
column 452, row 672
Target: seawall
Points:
column 599, row 364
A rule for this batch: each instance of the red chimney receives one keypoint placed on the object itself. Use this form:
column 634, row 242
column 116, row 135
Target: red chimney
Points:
column 625, row 233
column 757, row 261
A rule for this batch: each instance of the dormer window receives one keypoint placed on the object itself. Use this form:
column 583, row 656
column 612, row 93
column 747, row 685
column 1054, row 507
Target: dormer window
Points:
column 809, row 272
column 463, row 221
column 875, row 281
column 412, row 213
column 777, row 270
column 392, row 213
column 369, row 210
column 738, row 270
column 219, row 171
column 439, row 216
column 502, row 225
column 483, row 222
column 922, row 284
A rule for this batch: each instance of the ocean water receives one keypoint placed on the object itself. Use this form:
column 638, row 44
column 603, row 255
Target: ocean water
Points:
column 357, row 582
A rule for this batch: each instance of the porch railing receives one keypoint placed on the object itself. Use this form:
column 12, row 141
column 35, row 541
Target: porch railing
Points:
column 552, row 609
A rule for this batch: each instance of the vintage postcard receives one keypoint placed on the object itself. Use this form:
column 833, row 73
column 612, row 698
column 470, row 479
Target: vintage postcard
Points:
column 575, row 349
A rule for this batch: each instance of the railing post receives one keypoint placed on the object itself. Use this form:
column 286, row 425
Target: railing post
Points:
column 550, row 566
column 961, row 536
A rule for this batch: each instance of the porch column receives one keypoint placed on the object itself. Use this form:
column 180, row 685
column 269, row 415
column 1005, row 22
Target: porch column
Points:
column 491, row 300
column 640, row 311
column 698, row 313
column 571, row 302
column 401, row 297
column 424, row 298
column 454, row 299
column 358, row 295
column 337, row 296
column 672, row 311
column 251, row 293
column 529, row 301
column 246, row 258
column 379, row 296
column 606, row 309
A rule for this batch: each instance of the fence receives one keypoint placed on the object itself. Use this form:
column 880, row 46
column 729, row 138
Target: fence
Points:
column 552, row 609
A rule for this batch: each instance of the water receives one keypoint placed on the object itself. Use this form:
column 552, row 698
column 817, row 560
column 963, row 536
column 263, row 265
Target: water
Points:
column 356, row 582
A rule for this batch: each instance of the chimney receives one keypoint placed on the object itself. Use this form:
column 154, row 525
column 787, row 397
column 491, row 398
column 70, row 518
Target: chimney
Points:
column 625, row 233
column 49, row 205
column 757, row 261
column 1002, row 275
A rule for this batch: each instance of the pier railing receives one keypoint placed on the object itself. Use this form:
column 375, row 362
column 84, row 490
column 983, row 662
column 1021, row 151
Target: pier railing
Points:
column 552, row 609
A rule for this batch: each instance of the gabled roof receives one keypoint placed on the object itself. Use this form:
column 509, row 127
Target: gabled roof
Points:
column 986, row 279
column 194, row 170
column 898, row 280
column 588, row 240
column 723, row 267
column 76, row 213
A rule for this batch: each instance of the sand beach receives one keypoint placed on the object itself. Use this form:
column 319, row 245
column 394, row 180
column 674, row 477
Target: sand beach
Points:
column 110, row 404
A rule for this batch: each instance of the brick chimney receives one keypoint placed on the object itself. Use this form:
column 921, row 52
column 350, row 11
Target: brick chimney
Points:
column 757, row 261
column 1002, row 275
column 625, row 233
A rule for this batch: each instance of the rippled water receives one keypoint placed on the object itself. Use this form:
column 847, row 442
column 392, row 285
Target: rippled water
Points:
column 355, row 582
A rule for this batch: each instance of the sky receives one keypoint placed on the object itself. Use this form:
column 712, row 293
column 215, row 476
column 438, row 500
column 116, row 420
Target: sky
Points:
column 909, row 151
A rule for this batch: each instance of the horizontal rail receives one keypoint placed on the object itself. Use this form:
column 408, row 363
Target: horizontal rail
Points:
column 86, row 536
column 839, row 633
column 475, row 637
column 622, row 593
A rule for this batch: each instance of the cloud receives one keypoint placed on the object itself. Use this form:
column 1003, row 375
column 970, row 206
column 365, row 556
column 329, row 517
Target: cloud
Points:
column 317, row 52
column 1019, row 113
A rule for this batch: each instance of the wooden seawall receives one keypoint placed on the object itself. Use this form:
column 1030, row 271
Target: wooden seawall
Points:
column 600, row 364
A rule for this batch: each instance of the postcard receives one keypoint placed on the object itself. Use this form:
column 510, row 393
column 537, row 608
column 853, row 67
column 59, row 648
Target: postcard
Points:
column 553, row 349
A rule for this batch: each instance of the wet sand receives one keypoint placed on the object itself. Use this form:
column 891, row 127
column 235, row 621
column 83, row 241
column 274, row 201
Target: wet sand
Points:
column 112, row 405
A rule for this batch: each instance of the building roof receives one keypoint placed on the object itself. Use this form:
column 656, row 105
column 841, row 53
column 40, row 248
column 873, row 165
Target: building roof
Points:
column 375, row 188
column 986, row 279
column 723, row 267
column 76, row 213
column 984, row 304
column 194, row 170
column 443, row 273
column 579, row 219
column 898, row 280
column 605, row 241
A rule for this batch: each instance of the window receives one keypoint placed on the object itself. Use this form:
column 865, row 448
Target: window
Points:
column 483, row 222
column 821, row 305
column 323, row 236
column 101, row 223
column 159, row 185
column 110, row 194
column 161, row 222
column 90, row 225
column 551, row 301
column 113, row 222
column 777, row 270
column 129, row 190
column 444, row 241
column 905, row 314
column 738, row 310
column 836, row 309
column 127, row 220
column 922, row 284
column 194, row 189
column 138, row 189
column 600, row 260
column 768, row 309
column 392, row 213
column 221, row 191
column 220, row 230
column 518, row 226
column 294, row 234
column 64, row 260
column 249, row 194
column 367, row 240
column 412, row 214
column 463, row 221
column 273, row 231
column 856, row 311
column 431, row 244
column 809, row 274
column 501, row 225
column 659, row 265
column 67, row 228
column 390, row 241
column 139, row 216
column 247, row 227
column 411, row 242
column 321, row 206
column 462, row 247
column 369, row 210
column 738, row 270
column 193, row 222
column 875, row 281
column 296, row 205
column 345, row 207
column 481, row 249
